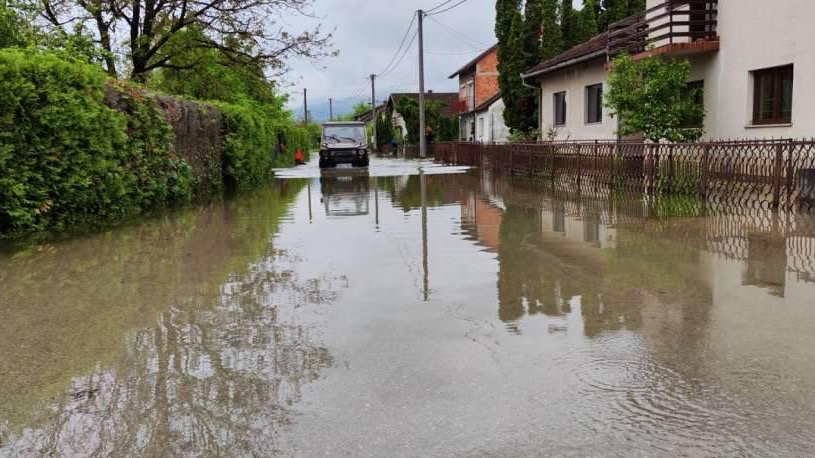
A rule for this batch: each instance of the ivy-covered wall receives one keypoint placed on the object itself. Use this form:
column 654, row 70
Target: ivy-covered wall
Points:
column 79, row 150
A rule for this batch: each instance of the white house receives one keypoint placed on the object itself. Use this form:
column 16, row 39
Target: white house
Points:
column 753, row 60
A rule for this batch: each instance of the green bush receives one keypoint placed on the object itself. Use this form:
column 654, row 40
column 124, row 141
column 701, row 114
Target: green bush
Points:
column 67, row 159
column 257, row 139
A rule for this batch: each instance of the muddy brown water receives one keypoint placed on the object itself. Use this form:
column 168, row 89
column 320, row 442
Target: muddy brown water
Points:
column 393, row 313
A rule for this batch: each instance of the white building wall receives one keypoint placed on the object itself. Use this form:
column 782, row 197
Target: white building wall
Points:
column 757, row 34
column 574, row 80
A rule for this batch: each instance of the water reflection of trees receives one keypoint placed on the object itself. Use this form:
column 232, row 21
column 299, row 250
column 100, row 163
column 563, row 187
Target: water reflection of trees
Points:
column 216, row 374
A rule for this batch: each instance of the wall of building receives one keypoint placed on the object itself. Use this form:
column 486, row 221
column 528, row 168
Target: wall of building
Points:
column 486, row 75
column 574, row 80
column 490, row 126
column 756, row 34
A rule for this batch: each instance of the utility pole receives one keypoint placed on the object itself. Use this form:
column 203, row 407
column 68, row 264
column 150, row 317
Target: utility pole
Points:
column 305, row 106
column 422, row 139
column 330, row 109
column 373, row 112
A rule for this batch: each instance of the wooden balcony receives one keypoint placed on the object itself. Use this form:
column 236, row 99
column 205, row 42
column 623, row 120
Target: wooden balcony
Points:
column 672, row 27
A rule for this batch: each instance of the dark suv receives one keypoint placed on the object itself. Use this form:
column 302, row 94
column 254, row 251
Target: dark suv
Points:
column 344, row 143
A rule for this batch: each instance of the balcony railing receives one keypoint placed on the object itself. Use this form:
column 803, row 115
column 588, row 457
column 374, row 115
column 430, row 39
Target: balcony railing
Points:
column 671, row 22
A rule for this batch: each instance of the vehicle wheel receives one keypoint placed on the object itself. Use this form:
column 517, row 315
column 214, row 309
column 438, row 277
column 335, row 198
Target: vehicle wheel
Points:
column 363, row 162
column 323, row 164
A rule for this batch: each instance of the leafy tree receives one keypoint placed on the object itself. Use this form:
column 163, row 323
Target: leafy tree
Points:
column 651, row 96
column 244, row 30
column 436, row 124
column 12, row 27
column 384, row 127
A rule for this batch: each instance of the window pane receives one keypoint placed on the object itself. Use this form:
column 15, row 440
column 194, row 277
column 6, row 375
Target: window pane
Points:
column 594, row 103
column 786, row 96
column 560, row 108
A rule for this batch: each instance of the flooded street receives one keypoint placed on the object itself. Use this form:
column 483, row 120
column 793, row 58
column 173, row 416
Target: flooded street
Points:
column 399, row 313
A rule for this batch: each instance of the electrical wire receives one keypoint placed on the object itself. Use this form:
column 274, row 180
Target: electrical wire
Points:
column 399, row 49
column 449, row 8
column 471, row 42
column 384, row 75
column 439, row 6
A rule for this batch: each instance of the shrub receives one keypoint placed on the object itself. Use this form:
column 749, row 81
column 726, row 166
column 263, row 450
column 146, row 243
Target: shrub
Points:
column 67, row 159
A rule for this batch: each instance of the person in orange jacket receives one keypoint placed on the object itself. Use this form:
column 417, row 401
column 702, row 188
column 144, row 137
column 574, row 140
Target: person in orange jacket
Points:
column 299, row 157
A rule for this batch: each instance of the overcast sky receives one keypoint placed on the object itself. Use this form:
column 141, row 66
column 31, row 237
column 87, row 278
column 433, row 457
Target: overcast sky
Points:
column 368, row 34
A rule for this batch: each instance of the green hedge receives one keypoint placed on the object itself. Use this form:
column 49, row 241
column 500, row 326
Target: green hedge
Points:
column 251, row 145
column 73, row 155
column 67, row 159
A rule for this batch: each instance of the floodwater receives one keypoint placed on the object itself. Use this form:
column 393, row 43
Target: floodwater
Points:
column 393, row 313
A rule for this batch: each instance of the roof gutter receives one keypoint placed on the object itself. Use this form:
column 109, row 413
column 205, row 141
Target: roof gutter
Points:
column 576, row 60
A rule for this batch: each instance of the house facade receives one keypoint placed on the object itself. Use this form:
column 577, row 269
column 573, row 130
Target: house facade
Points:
column 480, row 108
column 751, row 59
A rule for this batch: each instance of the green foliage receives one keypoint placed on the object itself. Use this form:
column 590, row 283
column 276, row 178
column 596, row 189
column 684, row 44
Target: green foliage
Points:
column 384, row 128
column 519, row 50
column 12, row 28
column 585, row 25
column 611, row 11
column 67, row 159
column 437, row 126
column 651, row 96
column 552, row 43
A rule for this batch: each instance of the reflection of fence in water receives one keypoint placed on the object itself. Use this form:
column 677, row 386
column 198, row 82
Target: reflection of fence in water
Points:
column 725, row 229
column 757, row 172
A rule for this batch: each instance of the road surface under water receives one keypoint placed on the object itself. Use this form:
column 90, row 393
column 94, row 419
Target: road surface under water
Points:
column 393, row 313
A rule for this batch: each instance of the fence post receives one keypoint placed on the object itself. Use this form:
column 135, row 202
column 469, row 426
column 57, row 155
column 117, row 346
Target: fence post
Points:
column 705, row 170
column 790, row 172
column 777, row 170
column 671, row 174
column 579, row 149
column 531, row 157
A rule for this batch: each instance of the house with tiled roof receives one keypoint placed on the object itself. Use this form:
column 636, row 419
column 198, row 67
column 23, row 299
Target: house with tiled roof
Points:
column 480, row 108
column 750, row 58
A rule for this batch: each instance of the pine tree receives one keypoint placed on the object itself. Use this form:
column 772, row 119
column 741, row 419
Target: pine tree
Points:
column 552, row 35
column 586, row 22
column 567, row 23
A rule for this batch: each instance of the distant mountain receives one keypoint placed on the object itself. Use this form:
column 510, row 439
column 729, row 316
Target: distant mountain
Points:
column 318, row 107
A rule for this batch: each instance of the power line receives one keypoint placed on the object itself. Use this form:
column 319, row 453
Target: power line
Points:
column 407, row 49
column 448, row 8
column 439, row 6
column 398, row 50
column 471, row 42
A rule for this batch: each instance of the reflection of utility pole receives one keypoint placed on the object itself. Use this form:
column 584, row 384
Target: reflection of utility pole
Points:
column 422, row 138
column 330, row 109
column 376, row 201
column 309, row 202
column 423, row 185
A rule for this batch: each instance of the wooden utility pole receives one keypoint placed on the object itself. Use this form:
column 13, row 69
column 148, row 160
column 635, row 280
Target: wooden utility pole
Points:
column 373, row 112
column 330, row 109
column 422, row 137
column 305, row 107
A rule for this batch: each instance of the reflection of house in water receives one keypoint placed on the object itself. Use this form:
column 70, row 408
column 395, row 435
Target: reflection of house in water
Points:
column 766, row 262
column 482, row 219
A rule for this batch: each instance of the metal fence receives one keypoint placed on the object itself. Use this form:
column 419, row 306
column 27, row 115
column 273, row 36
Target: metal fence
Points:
column 775, row 173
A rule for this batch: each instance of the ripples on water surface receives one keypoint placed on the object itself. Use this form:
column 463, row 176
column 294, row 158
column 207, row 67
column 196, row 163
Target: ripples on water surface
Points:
column 329, row 314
